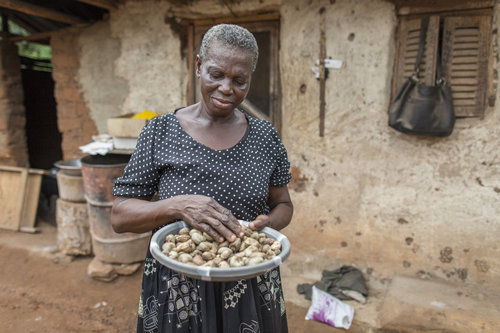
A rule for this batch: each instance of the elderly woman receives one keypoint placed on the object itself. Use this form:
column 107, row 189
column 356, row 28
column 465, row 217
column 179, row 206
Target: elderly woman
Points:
column 210, row 164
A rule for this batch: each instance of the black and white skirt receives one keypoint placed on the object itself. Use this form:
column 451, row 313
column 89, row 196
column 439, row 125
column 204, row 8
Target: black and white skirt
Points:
column 171, row 302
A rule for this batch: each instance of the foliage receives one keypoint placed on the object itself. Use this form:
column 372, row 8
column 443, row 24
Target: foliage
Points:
column 27, row 49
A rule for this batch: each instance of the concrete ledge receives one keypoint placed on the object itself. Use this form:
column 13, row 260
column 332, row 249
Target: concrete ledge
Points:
column 406, row 305
column 415, row 305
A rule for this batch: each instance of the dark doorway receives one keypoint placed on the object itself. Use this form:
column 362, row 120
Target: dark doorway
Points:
column 42, row 133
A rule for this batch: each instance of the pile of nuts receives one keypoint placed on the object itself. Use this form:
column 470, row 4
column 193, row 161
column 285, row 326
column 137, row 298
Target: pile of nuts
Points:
column 195, row 247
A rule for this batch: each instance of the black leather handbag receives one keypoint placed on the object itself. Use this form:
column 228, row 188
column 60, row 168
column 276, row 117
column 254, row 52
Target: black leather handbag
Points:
column 420, row 109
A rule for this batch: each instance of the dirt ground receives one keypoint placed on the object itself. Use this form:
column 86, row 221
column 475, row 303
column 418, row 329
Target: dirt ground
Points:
column 41, row 293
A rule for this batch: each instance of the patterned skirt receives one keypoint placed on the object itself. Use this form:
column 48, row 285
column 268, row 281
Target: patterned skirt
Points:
column 171, row 302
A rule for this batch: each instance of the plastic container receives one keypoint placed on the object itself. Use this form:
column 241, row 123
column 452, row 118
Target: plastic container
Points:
column 70, row 187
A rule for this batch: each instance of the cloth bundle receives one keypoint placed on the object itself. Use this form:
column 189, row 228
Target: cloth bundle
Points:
column 345, row 283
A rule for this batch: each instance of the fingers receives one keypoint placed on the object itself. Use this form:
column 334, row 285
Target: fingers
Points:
column 219, row 231
column 260, row 222
column 210, row 231
column 207, row 215
column 229, row 221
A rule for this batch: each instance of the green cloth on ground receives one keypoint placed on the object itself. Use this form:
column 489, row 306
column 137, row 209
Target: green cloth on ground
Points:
column 335, row 282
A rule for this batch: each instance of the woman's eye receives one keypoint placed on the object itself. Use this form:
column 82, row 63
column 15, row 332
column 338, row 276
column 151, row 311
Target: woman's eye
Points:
column 216, row 75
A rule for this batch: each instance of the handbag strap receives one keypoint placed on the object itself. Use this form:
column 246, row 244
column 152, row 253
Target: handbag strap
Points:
column 423, row 35
column 439, row 73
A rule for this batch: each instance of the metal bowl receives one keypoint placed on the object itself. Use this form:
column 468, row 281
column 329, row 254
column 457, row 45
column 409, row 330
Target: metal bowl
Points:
column 215, row 273
column 70, row 167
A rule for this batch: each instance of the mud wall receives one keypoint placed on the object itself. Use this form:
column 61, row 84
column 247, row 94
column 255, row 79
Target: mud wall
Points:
column 73, row 113
column 364, row 194
column 139, row 57
column 13, row 147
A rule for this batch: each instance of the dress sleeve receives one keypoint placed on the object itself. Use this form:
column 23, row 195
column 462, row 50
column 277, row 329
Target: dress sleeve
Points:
column 281, row 174
column 141, row 174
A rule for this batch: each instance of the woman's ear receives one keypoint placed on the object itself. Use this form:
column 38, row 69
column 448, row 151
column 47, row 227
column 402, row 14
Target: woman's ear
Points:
column 198, row 66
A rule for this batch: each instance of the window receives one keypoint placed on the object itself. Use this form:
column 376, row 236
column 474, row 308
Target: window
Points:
column 462, row 39
column 264, row 98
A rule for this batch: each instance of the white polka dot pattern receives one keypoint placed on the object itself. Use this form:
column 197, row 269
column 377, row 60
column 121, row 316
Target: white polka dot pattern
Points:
column 169, row 161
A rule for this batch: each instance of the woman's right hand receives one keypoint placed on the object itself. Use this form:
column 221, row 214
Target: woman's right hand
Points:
column 206, row 214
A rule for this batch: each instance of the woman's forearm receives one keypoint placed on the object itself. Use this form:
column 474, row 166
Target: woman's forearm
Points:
column 281, row 210
column 138, row 215
column 281, row 215
column 199, row 211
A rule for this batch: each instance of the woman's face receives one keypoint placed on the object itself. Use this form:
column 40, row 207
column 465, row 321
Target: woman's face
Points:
column 225, row 75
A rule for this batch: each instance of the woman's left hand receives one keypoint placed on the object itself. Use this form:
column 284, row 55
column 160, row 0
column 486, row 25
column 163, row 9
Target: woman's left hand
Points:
column 260, row 222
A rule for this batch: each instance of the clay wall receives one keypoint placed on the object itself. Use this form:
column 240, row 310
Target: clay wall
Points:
column 73, row 114
column 13, row 149
column 365, row 194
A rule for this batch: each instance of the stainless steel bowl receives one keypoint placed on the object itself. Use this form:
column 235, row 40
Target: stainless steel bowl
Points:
column 70, row 167
column 215, row 273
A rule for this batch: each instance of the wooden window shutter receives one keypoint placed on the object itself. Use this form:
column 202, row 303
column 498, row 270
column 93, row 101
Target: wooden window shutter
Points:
column 407, row 49
column 465, row 62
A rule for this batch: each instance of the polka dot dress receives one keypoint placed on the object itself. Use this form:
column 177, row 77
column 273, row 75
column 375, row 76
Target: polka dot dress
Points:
column 168, row 161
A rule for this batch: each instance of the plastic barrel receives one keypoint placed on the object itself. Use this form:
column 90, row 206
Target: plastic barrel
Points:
column 69, row 180
column 70, row 187
column 99, row 174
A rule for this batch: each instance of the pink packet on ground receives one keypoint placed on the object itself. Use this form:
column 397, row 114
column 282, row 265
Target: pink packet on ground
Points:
column 330, row 310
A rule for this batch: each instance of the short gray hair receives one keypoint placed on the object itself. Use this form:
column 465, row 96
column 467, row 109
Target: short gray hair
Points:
column 232, row 35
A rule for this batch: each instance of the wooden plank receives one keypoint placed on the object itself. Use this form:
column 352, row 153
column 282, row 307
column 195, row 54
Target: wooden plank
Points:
column 31, row 199
column 30, row 9
column 197, row 20
column 322, row 78
column 30, row 230
column 465, row 88
column 191, row 66
column 460, row 81
column 470, row 53
column 19, row 194
column 106, row 4
column 42, row 35
column 491, row 93
column 465, row 62
column 471, row 94
column 407, row 50
column 275, row 91
column 12, row 181
column 410, row 7
column 20, row 197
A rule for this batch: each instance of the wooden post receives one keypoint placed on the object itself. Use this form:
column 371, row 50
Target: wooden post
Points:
column 39, row 36
column 106, row 4
column 192, row 70
column 322, row 56
column 5, row 24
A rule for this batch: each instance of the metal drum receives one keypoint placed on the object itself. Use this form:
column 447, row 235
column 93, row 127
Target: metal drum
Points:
column 99, row 174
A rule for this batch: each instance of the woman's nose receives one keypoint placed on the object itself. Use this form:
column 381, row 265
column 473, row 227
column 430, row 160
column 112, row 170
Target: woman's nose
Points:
column 225, row 87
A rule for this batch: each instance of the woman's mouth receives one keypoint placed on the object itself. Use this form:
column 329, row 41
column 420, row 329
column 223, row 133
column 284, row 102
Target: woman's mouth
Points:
column 220, row 103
